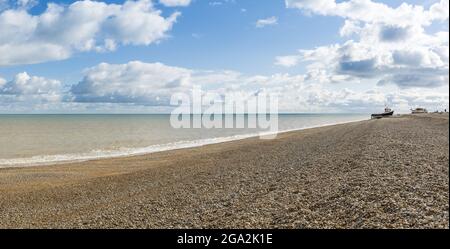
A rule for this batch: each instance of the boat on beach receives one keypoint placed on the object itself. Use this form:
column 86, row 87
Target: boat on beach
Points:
column 387, row 113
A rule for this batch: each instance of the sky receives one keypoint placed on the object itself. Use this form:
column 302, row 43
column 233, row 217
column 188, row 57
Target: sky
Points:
column 318, row 56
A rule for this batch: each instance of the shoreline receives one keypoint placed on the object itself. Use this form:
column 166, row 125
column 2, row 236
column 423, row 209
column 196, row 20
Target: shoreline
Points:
column 179, row 145
column 387, row 173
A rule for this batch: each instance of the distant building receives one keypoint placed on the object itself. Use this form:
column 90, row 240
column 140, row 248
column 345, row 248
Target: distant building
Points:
column 419, row 110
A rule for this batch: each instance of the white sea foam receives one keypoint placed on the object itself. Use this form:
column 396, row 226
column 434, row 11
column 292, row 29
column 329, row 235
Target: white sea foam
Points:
column 123, row 152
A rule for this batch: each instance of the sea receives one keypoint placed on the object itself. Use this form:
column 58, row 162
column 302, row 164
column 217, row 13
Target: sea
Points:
column 42, row 139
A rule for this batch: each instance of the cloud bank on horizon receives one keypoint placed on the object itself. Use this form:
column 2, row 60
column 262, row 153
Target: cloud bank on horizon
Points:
column 273, row 20
column 385, row 55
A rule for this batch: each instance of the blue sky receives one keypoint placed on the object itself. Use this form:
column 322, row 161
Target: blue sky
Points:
column 218, row 36
column 210, row 37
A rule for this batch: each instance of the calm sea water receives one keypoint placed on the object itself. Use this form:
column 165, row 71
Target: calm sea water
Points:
column 43, row 139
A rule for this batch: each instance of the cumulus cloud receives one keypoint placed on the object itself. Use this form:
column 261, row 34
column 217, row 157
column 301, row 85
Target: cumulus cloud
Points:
column 136, row 84
column 287, row 61
column 266, row 22
column 174, row 3
column 133, row 82
column 373, row 12
column 25, row 87
column 215, row 3
column 388, row 44
column 62, row 30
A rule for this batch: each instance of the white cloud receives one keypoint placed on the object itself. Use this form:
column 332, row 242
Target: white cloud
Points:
column 152, row 84
column 133, row 82
column 174, row 3
column 25, row 87
column 389, row 45
column 196, row 35
column 147, row 83
column 139, row 84
column 85, row 25
column 369, row 11
column 266, row 22
column 287, row 61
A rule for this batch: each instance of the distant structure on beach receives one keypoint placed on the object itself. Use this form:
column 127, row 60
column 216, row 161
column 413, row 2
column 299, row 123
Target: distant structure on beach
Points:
column 419, row 110
column 387, row 113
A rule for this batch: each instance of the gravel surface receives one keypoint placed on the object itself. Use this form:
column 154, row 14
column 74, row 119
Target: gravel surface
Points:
column 387, row 173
